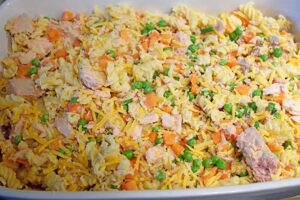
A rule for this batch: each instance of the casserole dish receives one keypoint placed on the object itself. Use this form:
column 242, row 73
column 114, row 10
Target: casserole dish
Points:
column 11, row 8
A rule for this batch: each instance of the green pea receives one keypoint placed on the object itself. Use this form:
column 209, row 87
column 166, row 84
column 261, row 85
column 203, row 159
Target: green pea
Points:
column 44, row 118
column 155, row 128
column 126, row 104
column 276, row 115
column 193, row 38
column 192, row 48
column 247, row 110
column 253, row 106
column 162, row 23
column 166, row 72
column 277, row 52
column 155, row 74
column 168, row 49
column 257, row 93
column 18, row 139
column 231, row 86
column 243, row 174
column 32, row 71
column 158, row 140
column 177, row 78
column 215, row 159
column 256, row 125
column 111, row 53
column 221, row 164
column 191, row 96
column 223, row 62
column 271, row 107
column 207, row 163
column 148, row 28
column 287, row 144
column 236, row 34
column 98, row 139
column 197, row 162
column 264, row 57
column 239, row 113
column 61, row 150
column 128, row 154
column 207, row 30
column 74, row 100
column 228, row 108
column 194, row 168
column 148, row 89
column 203, row 68
column 160, row 176
column 137, row 85
column 36, row 62
column 187, row 156
column 113, row 186
column 192, row 142
column 82, row 122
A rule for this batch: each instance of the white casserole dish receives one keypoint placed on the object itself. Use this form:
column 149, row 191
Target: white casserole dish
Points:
column 269, row 190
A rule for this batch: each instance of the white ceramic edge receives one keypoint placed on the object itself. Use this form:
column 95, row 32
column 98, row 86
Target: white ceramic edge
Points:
column 290, row 8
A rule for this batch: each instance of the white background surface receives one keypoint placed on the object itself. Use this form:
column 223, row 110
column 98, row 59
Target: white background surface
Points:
column 53, row 8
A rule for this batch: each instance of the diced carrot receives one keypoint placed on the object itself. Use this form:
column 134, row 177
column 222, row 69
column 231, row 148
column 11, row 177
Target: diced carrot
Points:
column 298, row 148
column 242, row 17
column 152, row 137
column 225, row 175
column 76, row 43
column 275, row 147
column 232, row 62
column 67, row 15
column 298, row 84
column 103, row 61
column 151, row 100
column 124, row 34
column 228, row 166
column 169, row 138
column 61, row 53
column 136, row 56
column 201, row 51
column 228, row 29
column 216, row 137
column 239, row 130
column 248, row 36
column 145, row 44
column 235, row 53
column 74, row 107
column 167, row 109
column 53, row 34
column 23, row 71
column 129, row 185
column 132, row 162
column 183, row 143
column 242, row 89
column 279, row 98
column 87, row 50
column 88, row 116
column 154, row 35
column 194, row 87
column 177, row 148
column 125, row 117
column 57, row 144
column 165, row 38
column 208, row 174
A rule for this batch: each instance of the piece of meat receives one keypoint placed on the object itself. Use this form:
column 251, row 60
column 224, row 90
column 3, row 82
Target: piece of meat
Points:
column 245, row 65
column 149, row 119
column 22, row 87
column 257, row 154
column 25, row 57
column 91, row 78
column 168, row 121
column 274, row 39
column 291, row 106
column 63, row 126
column 155, row 153
column 219, row 26
column 137, row 132
column 178, row 123
column 40, row 46
column 273, row 89
column 278, row 80
column 20, row 24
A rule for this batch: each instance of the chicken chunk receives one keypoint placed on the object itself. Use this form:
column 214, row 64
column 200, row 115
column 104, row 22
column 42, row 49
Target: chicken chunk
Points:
column 20, row 24
column 155, row 153
column 149, row 119
column 40, row 46
column 168, row 121
column 292, row 106
column 274, row 89
column 63, row 126
column 257, row 154
column 25, row 57
column 22, row 87
column 91, row 78
column 137, row 132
